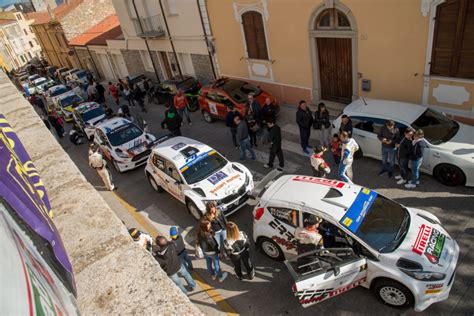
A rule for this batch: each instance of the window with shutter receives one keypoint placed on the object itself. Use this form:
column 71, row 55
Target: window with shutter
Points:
column 254, row 32
column 453, row 40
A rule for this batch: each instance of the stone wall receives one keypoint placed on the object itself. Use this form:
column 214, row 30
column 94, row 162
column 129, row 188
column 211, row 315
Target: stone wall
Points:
column 133, row 61
column 202, row 68
column 113, row 274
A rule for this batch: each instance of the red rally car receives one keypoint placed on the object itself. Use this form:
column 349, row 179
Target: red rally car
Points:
column 214, row 100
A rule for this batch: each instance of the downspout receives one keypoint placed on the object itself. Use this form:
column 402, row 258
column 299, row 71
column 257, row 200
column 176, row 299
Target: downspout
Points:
column 171, row 40
column 93, row 62
column 206, row 40
column 146, row 41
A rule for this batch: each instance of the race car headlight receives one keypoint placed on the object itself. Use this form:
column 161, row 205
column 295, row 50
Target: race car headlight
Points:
column 425, row 275
column 121, row 154
column 199, row 191
column 247, row 180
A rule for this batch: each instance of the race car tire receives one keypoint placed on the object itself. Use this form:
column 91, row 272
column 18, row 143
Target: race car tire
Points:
column 359, row 153
column 207, row 117
column 393, row 293
column 116, row 167
column 154, row 185
column 270, row 248
column 193, row 210
column 449, row 175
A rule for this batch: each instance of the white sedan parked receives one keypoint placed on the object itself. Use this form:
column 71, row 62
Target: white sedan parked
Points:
column 450, row 152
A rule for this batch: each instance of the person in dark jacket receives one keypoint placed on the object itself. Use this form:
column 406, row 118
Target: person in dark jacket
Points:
column 165, row 253
column 172, row 122
column 388, row 135
column 322, row 124
column 253, row 125
column 237, row 246
column 210, row 249
column 255, row 106
column 416, row 158
column 268, row 112
column 304, row 119
column 346, row 125
column 138, row 96
column 229, row 121
column 125, row 110
column 243, row 139
column 403, row 146
column 40, row 104
column 218, row 223
column 178, row 241
column 274, row 138
column 100, row 92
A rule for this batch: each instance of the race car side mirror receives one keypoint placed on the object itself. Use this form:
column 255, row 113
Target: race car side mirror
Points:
column 337, row 270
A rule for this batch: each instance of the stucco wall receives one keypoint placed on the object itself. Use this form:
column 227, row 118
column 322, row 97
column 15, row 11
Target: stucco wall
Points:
column 113, row 274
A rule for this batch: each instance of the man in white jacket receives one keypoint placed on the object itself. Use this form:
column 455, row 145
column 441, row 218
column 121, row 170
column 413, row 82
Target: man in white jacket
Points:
column 349, row 147
column 97, row 162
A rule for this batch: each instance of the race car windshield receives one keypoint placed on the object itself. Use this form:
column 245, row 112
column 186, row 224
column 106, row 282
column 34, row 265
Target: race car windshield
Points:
column 80, row 73
column 203, row 167
column 124, row 134
column 437, row 127
column 59, row 91
column 67, row 101
column 89, row 115
column 378, row 221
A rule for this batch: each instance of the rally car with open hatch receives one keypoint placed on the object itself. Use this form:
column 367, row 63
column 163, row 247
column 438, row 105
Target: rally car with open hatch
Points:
column 123, row 143
column 195, row 173
column 403, row 254
column 87, row 115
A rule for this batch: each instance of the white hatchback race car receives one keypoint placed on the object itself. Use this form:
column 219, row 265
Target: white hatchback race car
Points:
column 449, row 155
column 194, row 173
column 123, row 143
column 87, row 115
column 402, row 254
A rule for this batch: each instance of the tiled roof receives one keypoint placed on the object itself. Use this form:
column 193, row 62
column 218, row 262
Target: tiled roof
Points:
column 5, row 21
column 108, row 28
column 59, row 12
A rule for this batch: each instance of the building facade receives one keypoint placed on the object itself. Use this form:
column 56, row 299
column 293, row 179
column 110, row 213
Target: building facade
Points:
column 418, row 51
column 19, row 42
column 163, row 39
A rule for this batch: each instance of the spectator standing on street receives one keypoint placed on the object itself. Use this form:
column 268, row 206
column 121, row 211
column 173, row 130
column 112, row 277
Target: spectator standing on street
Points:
column 172, row 121
column 210, row 249
column 40, row 104
column 113, row 92
column 127, row 94
column 165, row 253
column 388, row 135
column 304, row 119
column 254, row 106
column 403, row 146
column 58, row 124
column 178, row 241
column 416, row 158
column 349, row 147
column 253, row 125
column 243, row 139
column 322, row 124
column 229, row 121
column 336, row 148
column 125, row 110
column 274, row 138
column 267, row 113
column 181, row 104
column 320, row 167
column 346, row 125
column 91, row 92
column 237, row 246
column 108, row 111
column 218, row 223
column 100, row 92
column 98, row 162
column 138, row 97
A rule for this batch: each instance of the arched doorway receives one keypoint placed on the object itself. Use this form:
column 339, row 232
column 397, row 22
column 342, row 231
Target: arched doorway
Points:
column 333, row 37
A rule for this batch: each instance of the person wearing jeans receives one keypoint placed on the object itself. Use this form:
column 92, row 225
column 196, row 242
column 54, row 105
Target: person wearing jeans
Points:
column 416, row 158
column 218, row 223
column 210, row 248
column 243, row 138
column 181, row 104
column 183, row 272
column 403, row 146
column 388, row 135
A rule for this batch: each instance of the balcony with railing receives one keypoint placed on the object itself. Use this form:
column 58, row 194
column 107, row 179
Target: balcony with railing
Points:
column 153, row 26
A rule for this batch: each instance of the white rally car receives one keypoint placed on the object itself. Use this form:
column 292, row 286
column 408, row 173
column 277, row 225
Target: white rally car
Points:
column 402, row 254
column 87, row 115
column 123, row 143
column 194, row 173
column 449, row 155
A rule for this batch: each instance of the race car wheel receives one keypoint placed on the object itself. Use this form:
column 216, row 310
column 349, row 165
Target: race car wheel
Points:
column 449, row 175
column 207, row 117
column 193, row 210
column 154, row 185
column 393, row 293
column 359, row 154
column 116, row 167
column 271, row 248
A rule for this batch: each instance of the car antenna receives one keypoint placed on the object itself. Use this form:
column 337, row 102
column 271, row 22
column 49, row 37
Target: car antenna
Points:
column 363, row 99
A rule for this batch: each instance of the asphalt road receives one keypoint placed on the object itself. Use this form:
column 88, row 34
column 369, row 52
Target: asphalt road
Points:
column 270, row 292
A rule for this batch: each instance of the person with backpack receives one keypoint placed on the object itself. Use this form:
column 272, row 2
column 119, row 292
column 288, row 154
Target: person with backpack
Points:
column 210, row 248
column 237, row 246
column 322, row 124
column 416, row 158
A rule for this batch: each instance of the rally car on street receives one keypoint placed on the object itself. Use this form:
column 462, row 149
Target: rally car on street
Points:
column 403, row 254
column 225, row 92
column 194, row 173
column 123, row 143
column 87, row 115
column 65, row 104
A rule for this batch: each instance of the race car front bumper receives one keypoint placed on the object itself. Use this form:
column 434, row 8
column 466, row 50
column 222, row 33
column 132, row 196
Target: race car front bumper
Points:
column 132, row 163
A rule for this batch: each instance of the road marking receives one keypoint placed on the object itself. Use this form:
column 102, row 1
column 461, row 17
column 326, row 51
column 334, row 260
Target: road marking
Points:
column 210, row 291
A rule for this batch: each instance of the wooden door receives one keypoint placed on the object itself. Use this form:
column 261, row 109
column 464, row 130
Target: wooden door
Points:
column 166, row 64
column 335, row 69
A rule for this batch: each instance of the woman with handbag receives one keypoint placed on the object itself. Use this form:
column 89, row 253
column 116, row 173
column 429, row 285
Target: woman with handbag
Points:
column 237, row 246
column 210, row 250
column 322, row 124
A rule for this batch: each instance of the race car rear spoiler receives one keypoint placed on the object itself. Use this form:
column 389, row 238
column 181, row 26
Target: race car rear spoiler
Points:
column 263, row 185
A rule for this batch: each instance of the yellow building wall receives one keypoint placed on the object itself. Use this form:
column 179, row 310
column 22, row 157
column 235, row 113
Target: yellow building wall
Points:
column 392, row 39
column 3, row 64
